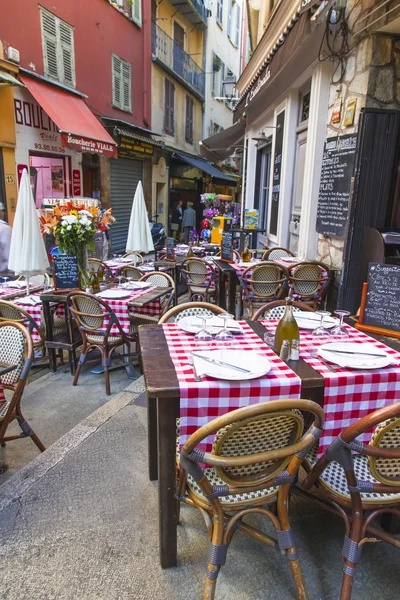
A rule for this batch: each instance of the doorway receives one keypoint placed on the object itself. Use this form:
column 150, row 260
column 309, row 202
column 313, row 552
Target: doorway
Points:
column 263, row 179
column 49, row 178
column 179, row 39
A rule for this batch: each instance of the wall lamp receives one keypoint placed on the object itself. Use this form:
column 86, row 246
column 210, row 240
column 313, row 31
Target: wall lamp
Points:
column 262, row 137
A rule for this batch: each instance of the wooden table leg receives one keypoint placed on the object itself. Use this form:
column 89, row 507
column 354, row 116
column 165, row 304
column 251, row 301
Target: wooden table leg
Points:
column 167, row 411
column 232, row 293
column 152, row 446
column 48, row 319
column 221, row 289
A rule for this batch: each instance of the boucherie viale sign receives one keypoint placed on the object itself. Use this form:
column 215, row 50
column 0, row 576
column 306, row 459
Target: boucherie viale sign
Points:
column 81, row 144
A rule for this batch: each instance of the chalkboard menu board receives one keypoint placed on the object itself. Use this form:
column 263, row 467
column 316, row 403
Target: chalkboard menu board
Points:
column 276, row 185
column 66, row 273
column 170, row 249
column 226, row 246
column 334, row 188
column 382, row 308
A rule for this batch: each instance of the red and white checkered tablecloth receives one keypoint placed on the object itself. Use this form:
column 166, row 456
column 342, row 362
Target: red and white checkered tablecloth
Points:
column 11, row 291
column 203, row 401
column 350, row 394
column 36, row 313
column 122, row 309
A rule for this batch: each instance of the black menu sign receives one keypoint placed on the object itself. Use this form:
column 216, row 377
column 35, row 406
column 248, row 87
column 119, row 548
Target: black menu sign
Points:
column 66, row 273
column 276, row 184
column 334, row 188
column 382, row 308
column 170, row 249
column 227, row 246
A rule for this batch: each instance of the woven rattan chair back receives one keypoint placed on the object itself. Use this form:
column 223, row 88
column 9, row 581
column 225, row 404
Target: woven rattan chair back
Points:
column 255, row 435
column 274, row 310
column 159, row 279
column 13, row 349
column 136, row 257
column 386, row 435
column 131, row 272
column 88, row 311
column 307, row 279
column 276, row 253
column 11, row 312
column 196, row 271
column 190, row 309
column 266, row 280
column 95, row 265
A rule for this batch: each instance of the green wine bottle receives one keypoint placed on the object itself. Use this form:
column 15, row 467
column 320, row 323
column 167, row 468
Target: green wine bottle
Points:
column 287, row 328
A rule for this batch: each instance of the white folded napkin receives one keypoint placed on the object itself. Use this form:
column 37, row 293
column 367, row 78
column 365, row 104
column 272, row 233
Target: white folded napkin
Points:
column 249, row 360
column 28, row 301
column 19, row 285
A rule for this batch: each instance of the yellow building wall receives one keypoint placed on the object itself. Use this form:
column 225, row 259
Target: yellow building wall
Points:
column 7, row 145
column 194, row 38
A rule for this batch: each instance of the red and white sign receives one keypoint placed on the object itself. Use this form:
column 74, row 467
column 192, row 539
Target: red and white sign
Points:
column 20, row 169
column 76, row 182
column 82, row 144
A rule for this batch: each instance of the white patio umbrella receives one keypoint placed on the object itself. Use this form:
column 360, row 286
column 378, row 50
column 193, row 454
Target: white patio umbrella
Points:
column 28, row 254
column 139, row 234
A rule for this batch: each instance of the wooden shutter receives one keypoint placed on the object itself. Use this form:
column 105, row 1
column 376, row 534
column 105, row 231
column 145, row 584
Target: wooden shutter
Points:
column 169, row 112
column 220, row 11
column 49, row 36
column 220, row 90
column 230, row 7
column 137, row 12
column 67, row 53
column 237, row 29
column 189, row 120
column 116, row 80
column 126, row 85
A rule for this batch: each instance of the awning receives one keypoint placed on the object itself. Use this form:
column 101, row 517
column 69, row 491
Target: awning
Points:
column 8, row 79
column 206, row 167
column 79, row 128
column 223, row 144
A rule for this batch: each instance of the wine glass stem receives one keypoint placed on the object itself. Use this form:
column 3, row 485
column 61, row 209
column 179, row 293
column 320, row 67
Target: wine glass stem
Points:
column 341, row 321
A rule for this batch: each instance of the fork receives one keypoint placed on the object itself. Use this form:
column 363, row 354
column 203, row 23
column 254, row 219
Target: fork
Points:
column 330, row 367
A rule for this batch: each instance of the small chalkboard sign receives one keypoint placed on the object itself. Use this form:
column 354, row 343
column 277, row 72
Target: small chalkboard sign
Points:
column 65, row 272
column 227, row 246
column 170, row 249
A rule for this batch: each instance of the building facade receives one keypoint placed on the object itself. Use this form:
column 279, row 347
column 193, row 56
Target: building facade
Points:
column 304, row 96
column 80, row 67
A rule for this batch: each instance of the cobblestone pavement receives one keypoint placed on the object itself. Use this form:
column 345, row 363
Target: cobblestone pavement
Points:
column 80, row 523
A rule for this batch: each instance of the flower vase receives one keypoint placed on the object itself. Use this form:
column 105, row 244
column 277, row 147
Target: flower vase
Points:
column 83, row 266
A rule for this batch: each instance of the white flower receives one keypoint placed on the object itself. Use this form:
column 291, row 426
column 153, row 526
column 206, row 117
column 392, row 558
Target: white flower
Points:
column 69, row 227
column 86, row 213
column 69, row 219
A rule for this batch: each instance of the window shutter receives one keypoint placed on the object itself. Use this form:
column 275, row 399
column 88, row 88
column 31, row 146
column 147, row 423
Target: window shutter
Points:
column 49, row 33
column 172, row 107
column 230, row 6
column 189, row 120
column 221, row 80
column 220, row 11
column 169, row 109
column 237, row 31
column 116, row 80
column 67, row 53
column 126, row 80
column 213, row 74
column 137, row 12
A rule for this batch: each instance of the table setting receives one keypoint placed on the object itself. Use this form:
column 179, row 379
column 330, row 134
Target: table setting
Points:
column 119, row 299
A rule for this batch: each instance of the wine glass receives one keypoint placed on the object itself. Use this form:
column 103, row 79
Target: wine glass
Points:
column 339, row 331
column 203, row 335
column 321, row 335
column 225, row 335
column 269, row 339
column 120, row 277
column 5, row 279
column 253, row 253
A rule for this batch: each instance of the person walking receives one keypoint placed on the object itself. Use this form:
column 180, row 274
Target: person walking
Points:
column 188, row 221
column 5, row 240
column 176, row 219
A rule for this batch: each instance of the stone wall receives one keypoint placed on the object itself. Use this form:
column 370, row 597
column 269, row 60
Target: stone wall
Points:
column 372, row 77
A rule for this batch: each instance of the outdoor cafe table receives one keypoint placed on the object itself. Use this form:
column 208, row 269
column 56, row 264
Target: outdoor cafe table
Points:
column 172, row 392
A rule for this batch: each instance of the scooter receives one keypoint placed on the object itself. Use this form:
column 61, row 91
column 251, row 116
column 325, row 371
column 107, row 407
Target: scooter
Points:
column 157, row 232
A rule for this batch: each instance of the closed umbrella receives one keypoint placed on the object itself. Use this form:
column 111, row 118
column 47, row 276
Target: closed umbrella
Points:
column 139, row 234
column 28, row 254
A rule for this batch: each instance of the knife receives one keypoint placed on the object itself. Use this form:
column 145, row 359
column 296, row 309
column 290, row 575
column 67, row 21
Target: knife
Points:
column 220, row 363
column 356, row 353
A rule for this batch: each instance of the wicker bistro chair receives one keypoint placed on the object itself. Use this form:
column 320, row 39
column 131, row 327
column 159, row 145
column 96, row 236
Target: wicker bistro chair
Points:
column 274, row 310
column 275, row 253
column 131, row 272
column 256, row 455
column 359, row 487
column 190, row 309
column 200, row 279
column 90, row 313
column 96, row 264
column 262, row 283
column 309, row 282
column 11, row 312
column 159, row 279
column 136, row 257
column 15, row 348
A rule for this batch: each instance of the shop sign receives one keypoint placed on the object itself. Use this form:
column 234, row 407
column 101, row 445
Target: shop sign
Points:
column 134, row 149
column 81, row 144
column 20, row 169
column 76, row 182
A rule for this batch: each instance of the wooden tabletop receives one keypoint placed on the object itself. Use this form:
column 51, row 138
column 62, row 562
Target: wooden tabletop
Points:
column 150, row 296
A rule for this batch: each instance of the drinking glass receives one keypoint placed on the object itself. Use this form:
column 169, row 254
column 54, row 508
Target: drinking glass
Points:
column 321, row 335
column 203, row 335
column 115, row 256
column 5, row 281
column 339, row 331
column 120, row 278
column 269, row 339
column 225, row 335
column 253, row 253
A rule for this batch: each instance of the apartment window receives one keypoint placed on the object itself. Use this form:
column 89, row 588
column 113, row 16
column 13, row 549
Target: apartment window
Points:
column 189, row 120
column 137, row 12
column 217, row 75
column 169, row 107
column 220, row 12
column 305, row 106
column 121, row 84
column 234, row 22
column 58, row 48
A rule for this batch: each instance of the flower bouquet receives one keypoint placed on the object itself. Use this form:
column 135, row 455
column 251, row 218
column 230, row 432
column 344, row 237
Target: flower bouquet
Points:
column 74, row 226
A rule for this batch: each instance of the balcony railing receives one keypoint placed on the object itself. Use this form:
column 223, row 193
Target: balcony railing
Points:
column 189, row 9
column 177, row 60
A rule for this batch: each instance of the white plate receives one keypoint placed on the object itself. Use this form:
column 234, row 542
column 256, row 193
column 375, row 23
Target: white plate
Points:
column 127, row 259
column 213, row 324
column 355, row 361
column 310, row 320
column 136, row 285
column 114, row 294
column 290, row 259
column 257, row 365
